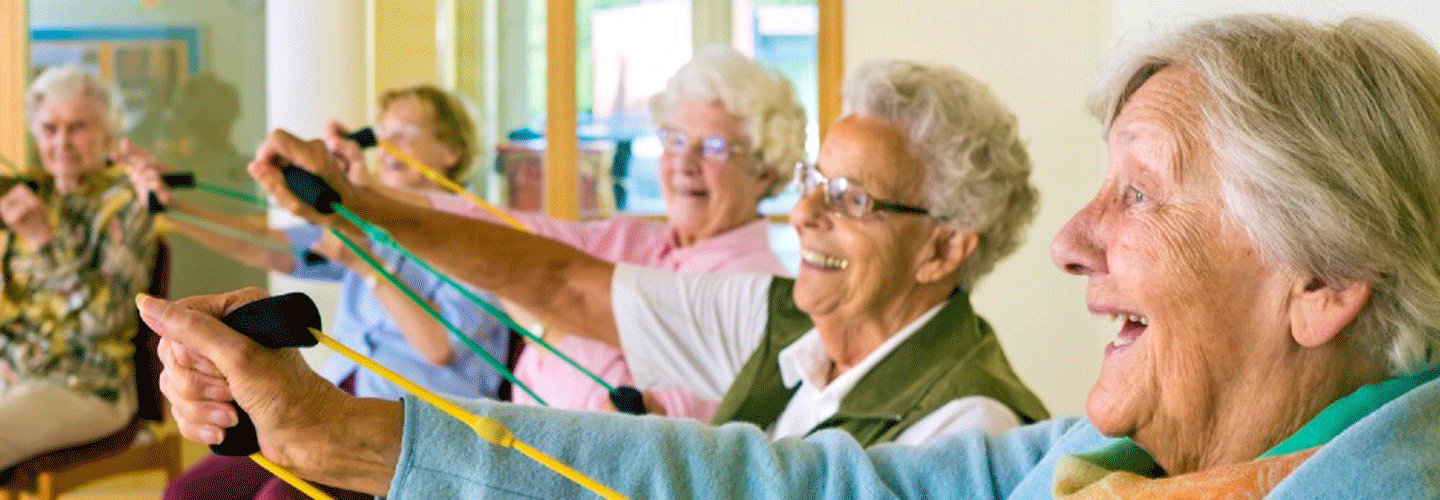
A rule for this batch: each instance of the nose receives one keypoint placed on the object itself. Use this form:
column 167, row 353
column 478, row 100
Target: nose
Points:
column 809, row 211
column 1077, row 248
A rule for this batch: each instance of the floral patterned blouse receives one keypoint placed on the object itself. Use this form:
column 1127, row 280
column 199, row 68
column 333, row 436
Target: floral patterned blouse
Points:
column 67, row 309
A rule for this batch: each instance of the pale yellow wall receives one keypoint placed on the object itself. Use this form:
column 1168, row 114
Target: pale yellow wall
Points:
column 13, row 61
column 1039, row 58
column 403, row 45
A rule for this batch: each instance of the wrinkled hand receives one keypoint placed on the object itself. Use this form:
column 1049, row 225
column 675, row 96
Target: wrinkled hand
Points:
column 144, row 171
column 332, row 248
column 279, row 149
column 347, row 153
column 207, row 365
column 24, row 214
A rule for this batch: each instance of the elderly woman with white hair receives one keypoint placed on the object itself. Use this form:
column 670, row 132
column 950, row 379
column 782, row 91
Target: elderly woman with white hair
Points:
column 1267, row 229
column 76, row 248
column 732, row 131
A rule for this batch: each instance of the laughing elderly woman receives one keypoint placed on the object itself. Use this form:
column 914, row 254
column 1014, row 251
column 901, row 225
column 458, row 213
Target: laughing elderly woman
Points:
column 732, row 131
column 1267, row 227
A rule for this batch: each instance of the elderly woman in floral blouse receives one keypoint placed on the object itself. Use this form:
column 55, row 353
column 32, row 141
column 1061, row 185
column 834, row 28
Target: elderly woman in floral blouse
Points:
column 77, row 247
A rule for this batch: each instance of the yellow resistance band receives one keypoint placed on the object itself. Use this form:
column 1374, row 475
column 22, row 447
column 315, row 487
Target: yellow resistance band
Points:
column 486, row 428
column 450, row 185
column 290, row 478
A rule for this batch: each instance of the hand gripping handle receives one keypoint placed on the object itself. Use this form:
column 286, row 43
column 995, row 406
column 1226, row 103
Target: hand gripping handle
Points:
column 311, row 189
column 274, row 322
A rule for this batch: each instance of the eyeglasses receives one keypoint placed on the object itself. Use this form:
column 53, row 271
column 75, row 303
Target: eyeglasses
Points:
column 397, row 131
column 845, row 195
column 714, row 148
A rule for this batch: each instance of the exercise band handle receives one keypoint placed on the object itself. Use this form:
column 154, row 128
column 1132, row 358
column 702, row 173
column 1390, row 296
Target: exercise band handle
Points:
column 364, row 137
column 274, row 322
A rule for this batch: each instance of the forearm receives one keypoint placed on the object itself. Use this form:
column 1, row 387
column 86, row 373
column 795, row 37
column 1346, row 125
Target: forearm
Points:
column 426, row 335
column 356, row 449
column 240, row 250
column 565, row 287
column 663, row 458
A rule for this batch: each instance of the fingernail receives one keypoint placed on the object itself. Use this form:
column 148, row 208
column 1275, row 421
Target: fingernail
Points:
column 151, row 307
column 222, row 419
column 215, row 393
column 210, row 436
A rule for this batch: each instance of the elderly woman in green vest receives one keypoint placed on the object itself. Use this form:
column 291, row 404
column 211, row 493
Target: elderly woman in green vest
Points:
column 919, row 190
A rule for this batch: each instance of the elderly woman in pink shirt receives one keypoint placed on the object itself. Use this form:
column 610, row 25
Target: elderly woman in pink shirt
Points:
column 732, row 133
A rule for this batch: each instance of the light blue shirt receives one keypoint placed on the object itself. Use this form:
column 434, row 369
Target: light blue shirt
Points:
column 363, row 324
column 1390, row 453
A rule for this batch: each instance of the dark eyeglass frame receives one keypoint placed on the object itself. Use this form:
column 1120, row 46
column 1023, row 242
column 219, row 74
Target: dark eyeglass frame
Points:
column 808, row 177
column 712, row 147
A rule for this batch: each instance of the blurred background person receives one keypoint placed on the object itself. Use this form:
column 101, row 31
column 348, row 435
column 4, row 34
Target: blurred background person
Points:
column 75, row 250
column 373, row 317
column 732, row 132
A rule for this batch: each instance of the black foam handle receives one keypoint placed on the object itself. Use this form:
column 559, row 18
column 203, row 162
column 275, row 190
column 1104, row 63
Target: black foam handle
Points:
column 628, row 400
column 273, row 322
column 313, row 259
column 310, row 188
column 175, row 180
column 365, row 137
column 152, row 204
column 179, row 179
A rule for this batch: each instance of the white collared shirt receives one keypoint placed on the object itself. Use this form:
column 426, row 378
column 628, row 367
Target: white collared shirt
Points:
column 698, row 330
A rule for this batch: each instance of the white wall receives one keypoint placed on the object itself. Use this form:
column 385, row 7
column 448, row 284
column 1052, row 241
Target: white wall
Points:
column 317, row 72
column 1040, row 58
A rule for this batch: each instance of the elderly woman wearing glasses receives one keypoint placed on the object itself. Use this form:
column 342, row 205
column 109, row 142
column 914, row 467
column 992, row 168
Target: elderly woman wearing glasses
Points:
column 875, row 336
column 731, row 130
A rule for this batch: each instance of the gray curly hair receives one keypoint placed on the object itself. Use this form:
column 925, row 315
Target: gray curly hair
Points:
column 977, row 169
column 1329, row 141
column 72, row 80
column 773, row 117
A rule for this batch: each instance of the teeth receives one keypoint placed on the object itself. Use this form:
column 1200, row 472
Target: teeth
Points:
column 822, row 260
column 1143, row 321
column 1122, row 341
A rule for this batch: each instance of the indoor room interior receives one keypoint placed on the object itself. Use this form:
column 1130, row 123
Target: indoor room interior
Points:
column 558, row 91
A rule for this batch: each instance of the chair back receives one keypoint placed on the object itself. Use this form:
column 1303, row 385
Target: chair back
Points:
column 150, row 404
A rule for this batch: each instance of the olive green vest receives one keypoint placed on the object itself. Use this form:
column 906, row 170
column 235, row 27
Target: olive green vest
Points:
column 952, row 356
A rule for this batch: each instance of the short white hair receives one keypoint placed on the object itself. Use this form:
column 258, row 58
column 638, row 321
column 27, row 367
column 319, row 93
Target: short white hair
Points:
column 774, row 120
column 977, row 171
column 72, row 80
column 1328, row 141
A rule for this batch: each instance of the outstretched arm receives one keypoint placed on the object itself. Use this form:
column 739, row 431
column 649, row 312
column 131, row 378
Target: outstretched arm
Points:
column 244, row 251
column 565, row 287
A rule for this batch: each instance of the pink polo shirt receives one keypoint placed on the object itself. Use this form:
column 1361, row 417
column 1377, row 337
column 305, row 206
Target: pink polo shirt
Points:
column 629, row 240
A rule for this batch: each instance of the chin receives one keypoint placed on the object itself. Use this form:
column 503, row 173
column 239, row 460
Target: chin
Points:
column 1104, row 412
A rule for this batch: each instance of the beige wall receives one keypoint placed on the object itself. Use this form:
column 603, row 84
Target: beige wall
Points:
column 1039, row 58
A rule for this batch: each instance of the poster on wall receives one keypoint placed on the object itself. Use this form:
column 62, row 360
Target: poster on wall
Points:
column 147, row 64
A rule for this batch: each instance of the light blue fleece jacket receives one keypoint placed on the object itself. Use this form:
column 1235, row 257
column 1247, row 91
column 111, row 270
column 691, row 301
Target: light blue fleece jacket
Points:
column 1393, row 453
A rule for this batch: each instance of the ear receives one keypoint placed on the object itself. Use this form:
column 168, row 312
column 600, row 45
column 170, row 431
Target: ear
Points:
column 942, row 255
column 450, row 158
column 1319, row 311
column 763, row 181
